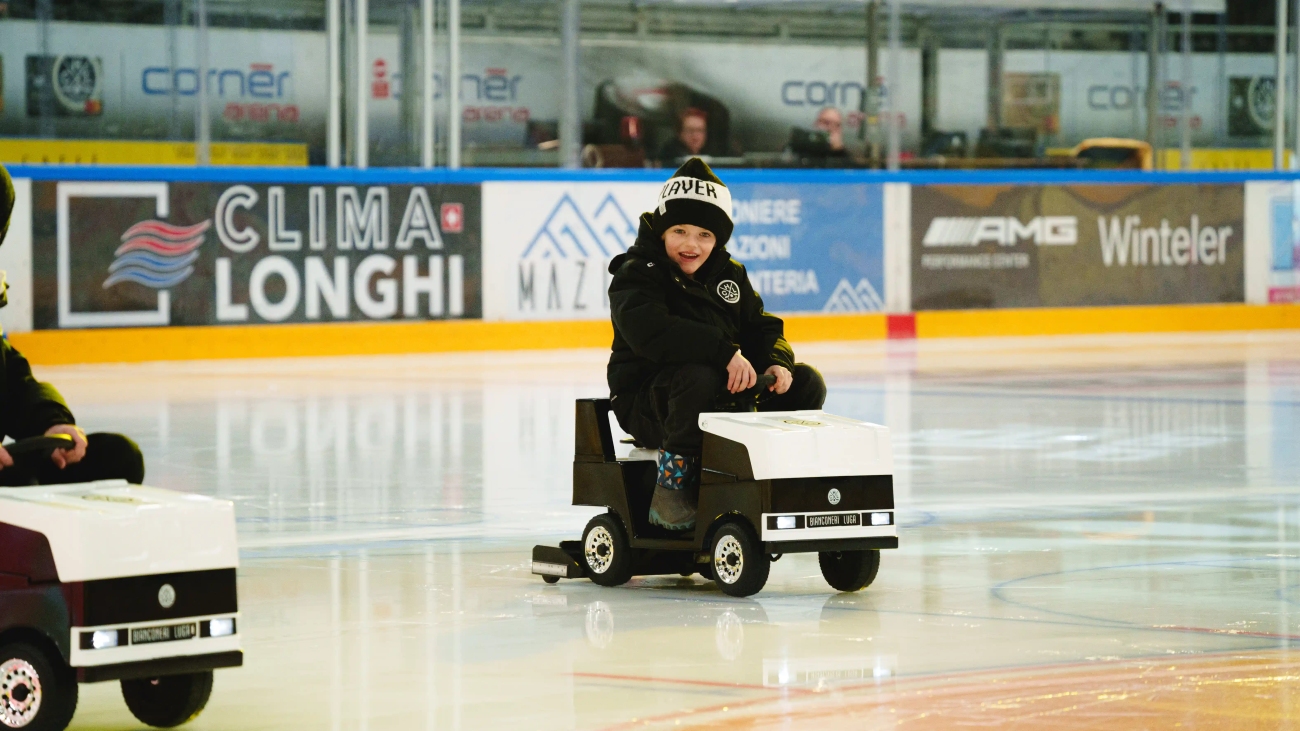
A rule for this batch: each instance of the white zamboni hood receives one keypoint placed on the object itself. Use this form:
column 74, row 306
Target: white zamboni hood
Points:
column 785, row 444
column 110, row 529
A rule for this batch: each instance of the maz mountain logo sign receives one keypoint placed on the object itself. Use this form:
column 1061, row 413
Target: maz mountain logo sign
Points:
column 574, row 250
column 569, row 234
column 548, row 246
column 848, row 298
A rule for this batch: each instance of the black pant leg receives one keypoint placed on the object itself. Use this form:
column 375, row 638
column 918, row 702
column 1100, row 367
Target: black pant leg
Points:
column 665, row 413
column 808, row 391
column 692, row 390
column 108, row 457
column 636, row 414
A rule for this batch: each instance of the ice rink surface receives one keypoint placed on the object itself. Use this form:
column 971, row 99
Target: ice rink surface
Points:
column 1097, row 532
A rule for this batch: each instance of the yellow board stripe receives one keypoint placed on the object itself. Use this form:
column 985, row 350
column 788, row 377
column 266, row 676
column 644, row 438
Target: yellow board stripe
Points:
column 279, row 341
column 1097, row 320
column 137, row 152
column 127, row 345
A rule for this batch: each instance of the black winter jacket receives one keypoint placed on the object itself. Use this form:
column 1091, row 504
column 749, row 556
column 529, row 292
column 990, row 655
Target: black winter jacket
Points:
column 27, row 406
column 662, row 317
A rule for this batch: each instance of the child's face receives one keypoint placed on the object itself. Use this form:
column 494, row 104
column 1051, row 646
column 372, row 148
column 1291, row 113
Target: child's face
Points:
column 688, row 246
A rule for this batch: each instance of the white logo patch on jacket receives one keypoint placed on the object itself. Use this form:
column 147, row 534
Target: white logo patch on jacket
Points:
column 729, row 291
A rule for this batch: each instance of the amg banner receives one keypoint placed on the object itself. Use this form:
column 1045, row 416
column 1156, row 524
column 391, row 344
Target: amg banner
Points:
column 131, row 254
column 976, row 246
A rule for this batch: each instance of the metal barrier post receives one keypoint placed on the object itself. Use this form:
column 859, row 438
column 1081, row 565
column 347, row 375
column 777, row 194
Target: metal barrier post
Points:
column 1185, row 117
column 334, row 118
column 1295, row 152
column 1153, row 81
column 1279, row 88
column 453, row 85
column 570, row 113
column 362, row 154
column 203, row 119
column 895, row 137
column 427, row 86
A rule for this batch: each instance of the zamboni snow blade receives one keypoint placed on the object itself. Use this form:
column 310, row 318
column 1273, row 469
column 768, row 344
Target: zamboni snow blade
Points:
column 773, row 483
column 110, row 581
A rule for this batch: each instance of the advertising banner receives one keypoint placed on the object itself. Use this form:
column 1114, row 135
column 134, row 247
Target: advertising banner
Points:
column 1273, row 219
column 976, row 246
column 127, row 254
column 806, row 247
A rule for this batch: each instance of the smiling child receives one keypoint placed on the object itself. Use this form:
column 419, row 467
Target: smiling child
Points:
column 689, row 328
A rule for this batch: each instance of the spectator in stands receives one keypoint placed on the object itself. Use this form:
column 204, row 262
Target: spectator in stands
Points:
column 692, row 134
column 830, row 121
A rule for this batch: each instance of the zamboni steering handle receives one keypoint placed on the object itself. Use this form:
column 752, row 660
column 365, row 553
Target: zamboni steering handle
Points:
column 38, row 446
column 30, row 452
column 747, row 400
column 764, row 382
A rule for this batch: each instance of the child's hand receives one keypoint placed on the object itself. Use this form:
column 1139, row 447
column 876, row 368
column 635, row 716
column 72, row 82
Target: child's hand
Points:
column 64, row 457
column 740, row 374
column 783, row 379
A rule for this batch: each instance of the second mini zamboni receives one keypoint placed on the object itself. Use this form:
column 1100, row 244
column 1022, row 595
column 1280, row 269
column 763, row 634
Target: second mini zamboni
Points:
column 773, row 483
column 109, row 581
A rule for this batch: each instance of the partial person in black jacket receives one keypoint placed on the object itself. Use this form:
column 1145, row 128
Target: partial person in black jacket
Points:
column 30, row 408
column 689, row 328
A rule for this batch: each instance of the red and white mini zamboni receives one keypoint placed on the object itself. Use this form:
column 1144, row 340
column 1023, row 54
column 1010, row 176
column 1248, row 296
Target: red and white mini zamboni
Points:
column 111, row 581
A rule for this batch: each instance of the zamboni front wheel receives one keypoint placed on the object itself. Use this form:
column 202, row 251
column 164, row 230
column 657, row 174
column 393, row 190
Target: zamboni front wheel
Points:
column 170, row 700
column 605, row 552
column 37, row 691
column 849, row 570
column 739, row 564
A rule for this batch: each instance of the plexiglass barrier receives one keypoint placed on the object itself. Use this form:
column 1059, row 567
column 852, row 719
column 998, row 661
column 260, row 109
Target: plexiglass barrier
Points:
column 923, row 85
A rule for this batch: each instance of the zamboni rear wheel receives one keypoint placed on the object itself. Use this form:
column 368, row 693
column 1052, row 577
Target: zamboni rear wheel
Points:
column 37, row 691
column 170, row 700
column 849, row 570
column 739, row 565
column 605, row 552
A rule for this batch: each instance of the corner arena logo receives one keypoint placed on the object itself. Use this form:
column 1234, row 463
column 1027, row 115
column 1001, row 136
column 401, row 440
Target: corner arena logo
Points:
column 1003, row 230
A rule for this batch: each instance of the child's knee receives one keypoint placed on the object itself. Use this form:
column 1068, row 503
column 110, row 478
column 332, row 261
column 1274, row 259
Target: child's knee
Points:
column 810, row 385
column 118, row 457
column 696, row 378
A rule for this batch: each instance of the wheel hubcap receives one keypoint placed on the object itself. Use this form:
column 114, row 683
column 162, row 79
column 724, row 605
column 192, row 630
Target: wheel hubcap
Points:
column 599, row 549
column 728, row 559
column 20, row 693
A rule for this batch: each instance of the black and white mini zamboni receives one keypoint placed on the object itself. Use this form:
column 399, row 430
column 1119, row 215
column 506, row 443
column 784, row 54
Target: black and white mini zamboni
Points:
column 111, row 581
column 773, row 483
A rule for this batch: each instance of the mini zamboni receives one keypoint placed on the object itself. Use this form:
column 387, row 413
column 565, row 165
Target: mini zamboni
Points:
column 773, row 483
column 112, row 581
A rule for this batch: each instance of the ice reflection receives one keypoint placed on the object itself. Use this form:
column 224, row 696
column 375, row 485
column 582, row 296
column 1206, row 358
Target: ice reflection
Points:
column 1121, row 529
column 417, row 463
column 600, row 625
column 729, row 635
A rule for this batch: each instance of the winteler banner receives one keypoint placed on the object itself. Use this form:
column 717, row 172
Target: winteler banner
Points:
column 977, row 246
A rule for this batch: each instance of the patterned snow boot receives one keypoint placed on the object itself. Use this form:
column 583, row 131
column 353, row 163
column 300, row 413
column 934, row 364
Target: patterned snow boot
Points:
column 677, row 487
